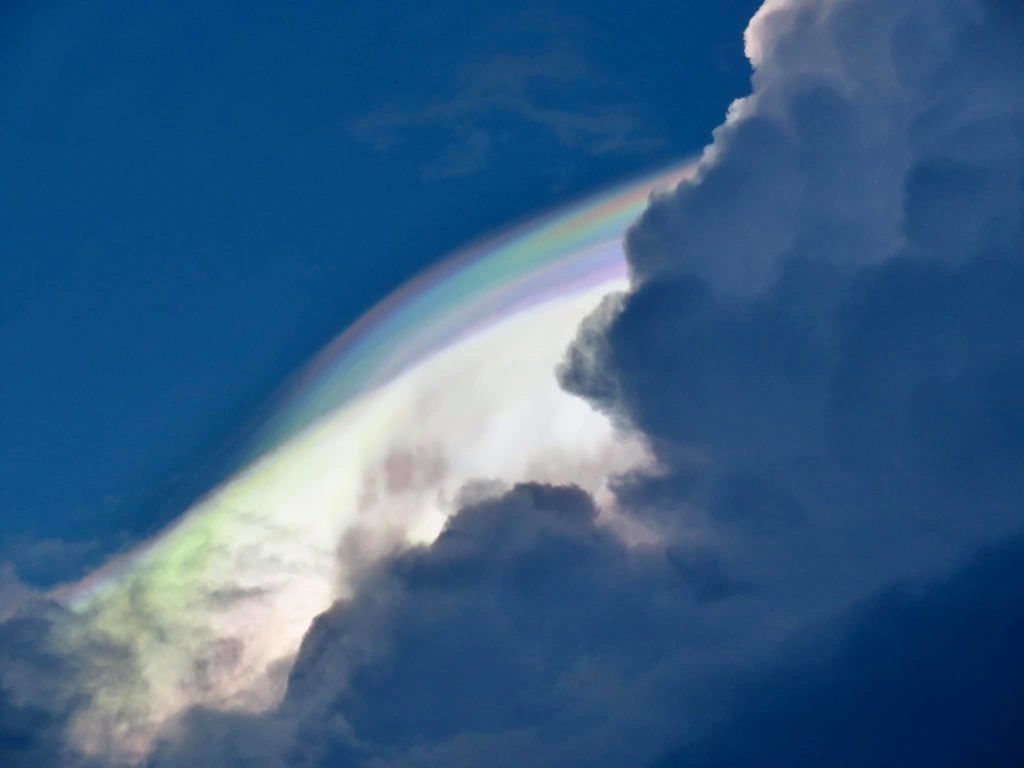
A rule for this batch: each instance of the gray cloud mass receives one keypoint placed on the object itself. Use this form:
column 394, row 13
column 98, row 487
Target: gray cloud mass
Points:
column 822, row 346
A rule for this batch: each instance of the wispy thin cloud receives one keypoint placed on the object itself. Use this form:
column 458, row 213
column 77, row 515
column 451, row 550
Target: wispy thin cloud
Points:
column 493, row 93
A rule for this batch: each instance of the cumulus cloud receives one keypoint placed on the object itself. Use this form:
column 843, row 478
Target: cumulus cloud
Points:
column 821, row 347
column 927, row 677
column 526, row 634
column 873, row 129
column 822, row 342
column 44, row 684
column 824, row 325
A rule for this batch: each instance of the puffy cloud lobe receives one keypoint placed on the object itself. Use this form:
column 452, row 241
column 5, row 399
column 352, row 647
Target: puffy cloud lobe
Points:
column 31, row 719
column 42, row 685
column 929, row 677
column 869, row 124
column 526, row 634
column 830, row 309
column 823, row 343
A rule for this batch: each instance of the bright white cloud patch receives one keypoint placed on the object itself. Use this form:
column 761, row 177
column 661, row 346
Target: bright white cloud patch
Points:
column 863, row 119
column 383, row 471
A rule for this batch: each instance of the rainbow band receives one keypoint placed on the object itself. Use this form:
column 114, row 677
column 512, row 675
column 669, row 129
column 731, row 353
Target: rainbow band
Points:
column 476, row 287
column 561, row 253
column 453, row 372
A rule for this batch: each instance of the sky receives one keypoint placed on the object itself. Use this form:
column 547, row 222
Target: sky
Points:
column 196, row 199
column 812, row 557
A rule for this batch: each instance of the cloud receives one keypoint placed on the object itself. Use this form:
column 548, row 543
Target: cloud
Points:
column 867, row 127
column 828, row 312
column 44, row 684
column 822, row 342
column 527, row 633
column 540, row 90
column 821, row 347
column 39, row 691
column 926, row 677
column 13, row 593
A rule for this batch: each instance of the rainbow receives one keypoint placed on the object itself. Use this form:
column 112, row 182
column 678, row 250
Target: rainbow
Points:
column 448, row 380
column 562, row 252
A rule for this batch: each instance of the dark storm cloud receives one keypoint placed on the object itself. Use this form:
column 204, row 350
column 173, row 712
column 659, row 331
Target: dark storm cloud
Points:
column 42, row 685
column 822, row 345
column 527, row 634
column 926, row 677
column 823, row 342
column 13, row 593
column 824, row 327
column 37, row 695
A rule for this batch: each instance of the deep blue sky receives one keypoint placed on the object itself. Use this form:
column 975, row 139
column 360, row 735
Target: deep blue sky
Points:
column 195, row 198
